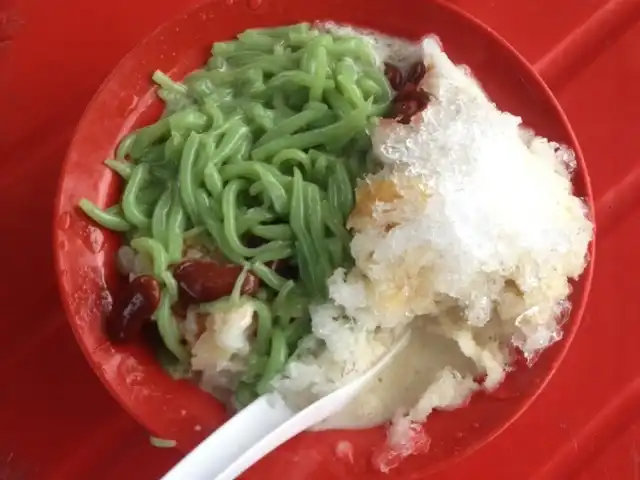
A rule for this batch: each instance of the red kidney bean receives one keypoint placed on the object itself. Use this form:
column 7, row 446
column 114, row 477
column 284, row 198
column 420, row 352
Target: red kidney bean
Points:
column 203, row 281
column 407, row 103
column 416, row 72
column 409, row 91
column 406, row 109
column 394, row 76
column 422, row 100
column 132, row 308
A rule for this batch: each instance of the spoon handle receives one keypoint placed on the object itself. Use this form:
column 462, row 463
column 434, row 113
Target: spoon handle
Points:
column 238, row 435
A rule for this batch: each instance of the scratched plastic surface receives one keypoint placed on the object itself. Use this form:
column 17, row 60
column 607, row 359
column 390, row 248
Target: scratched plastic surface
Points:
column 56, row 419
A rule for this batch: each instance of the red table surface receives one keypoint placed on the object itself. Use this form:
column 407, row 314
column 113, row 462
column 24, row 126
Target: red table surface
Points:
column 56, row 419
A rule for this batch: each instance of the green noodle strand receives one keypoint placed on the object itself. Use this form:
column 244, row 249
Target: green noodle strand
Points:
column 130, row 205
column 216, row 230
column 166, row 83
column 316, row 228
column 265, row 326
column 268, row 276
column 169, row 330
column 122, row 168
column 125, row 147
column 236, row 134
column 155, row 251
column 304, row 245
column 273, row 232
column 176, row 225
column 213, row 180
column 160, row 218
column 277, row 359
column 171, row 285
column 186, row 180
column 112, row 220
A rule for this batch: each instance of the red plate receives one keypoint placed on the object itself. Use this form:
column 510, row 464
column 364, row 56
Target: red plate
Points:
column 85, row 254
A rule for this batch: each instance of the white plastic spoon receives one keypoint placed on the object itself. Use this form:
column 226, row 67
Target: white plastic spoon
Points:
column 262, row 427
